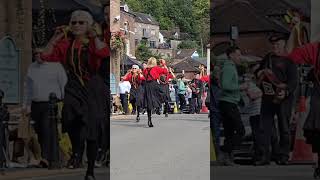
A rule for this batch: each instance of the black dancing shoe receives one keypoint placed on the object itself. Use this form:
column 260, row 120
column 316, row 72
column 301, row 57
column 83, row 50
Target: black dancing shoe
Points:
column 89, row 177
column 137, row 119
column 316, row 173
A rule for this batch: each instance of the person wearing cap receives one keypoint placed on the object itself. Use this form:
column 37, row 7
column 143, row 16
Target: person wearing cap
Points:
column 81, row 51
column 310, row 54
column 136, row 78
column 277, row 78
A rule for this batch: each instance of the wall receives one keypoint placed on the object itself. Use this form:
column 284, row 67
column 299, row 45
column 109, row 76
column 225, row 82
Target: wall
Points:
column 126, row 17
column 115, row 27
column 139, row 32
column 18, row 24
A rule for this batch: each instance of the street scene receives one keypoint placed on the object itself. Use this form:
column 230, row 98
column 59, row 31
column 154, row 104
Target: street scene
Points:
column 263, row 90
column 176, row 148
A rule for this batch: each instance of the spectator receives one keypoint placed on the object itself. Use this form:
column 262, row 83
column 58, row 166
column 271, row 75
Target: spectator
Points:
column 230, row 97
column 124, row 89
column 181, row 93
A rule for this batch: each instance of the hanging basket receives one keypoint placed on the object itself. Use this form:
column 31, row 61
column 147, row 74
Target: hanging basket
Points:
column 117, row 41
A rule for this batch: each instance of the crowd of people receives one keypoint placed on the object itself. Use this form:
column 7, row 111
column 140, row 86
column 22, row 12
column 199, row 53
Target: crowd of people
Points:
column 267, row 92
column 155, row 89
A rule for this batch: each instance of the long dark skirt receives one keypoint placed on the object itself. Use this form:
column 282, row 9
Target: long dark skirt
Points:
column 136, row 96
column 165, row 96
column 312, row 124
column 152, row 95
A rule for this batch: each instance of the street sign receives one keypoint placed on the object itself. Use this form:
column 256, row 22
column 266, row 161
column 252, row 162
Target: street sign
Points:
column 10, row 70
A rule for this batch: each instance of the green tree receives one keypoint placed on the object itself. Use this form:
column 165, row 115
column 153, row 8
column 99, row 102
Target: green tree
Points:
column 188, row 44
column 143, row 53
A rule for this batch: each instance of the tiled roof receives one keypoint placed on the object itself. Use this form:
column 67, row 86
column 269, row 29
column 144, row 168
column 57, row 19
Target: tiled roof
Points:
column 232, row 13
column 188, row 65
column 183, row 53
column 145, row 18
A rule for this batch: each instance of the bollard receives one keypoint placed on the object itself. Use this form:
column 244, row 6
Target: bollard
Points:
column 54, row 157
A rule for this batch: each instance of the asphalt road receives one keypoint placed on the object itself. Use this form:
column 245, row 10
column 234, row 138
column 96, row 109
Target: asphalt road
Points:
column 272, row 172
column 177, row 148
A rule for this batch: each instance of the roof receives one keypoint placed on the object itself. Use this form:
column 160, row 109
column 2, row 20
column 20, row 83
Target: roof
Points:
column 130, row 61
column 188, row 65
column 231, row 13
column 145, row 19
column 202, row 61
column 183, row 53
column 170, row 34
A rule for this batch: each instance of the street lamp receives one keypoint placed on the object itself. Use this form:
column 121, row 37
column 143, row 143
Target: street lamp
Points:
column 234, row 34
column 208, row 59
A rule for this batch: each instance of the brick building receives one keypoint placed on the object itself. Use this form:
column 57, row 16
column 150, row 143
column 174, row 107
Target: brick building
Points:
column 146, row 27
column 127, row 25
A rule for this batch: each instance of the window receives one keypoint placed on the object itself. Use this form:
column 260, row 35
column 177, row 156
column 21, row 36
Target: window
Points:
column 144, row 32
column 152, row 44
column 153, row 32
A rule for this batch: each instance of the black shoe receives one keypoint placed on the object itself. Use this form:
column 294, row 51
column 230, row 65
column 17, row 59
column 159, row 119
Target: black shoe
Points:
column 89, row 177
column 316, row 173
column 137, row 119
column 166, row 115
column 150, row 122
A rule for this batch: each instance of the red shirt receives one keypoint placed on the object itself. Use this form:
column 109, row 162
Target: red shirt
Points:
column 307, row 54
column 205, row 78
column 59, row 53
column 169, row 76
column 155, row 73
column 129, row 78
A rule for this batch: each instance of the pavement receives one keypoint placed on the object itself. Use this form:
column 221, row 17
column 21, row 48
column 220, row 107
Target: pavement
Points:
column 176, row 148
column 44, row 174
column 272, row 172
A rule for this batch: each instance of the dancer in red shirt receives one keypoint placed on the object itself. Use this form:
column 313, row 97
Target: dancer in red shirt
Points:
column 136, row 78
column 152, row 94
column 81, row 53
column 164, row 85
column 310, row 54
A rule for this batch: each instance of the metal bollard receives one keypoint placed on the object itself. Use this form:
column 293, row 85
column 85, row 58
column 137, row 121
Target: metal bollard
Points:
column 54, row 156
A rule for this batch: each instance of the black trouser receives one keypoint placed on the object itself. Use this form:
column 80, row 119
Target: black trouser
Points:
column 46, row 128
column 182, row 101
column 124, row 102
column 91, row 155
column 166, row 107
column 232, row 124
column 196, row 103
column 268, row 130
column 77, row 138
column 2, row 142
column 255, row 125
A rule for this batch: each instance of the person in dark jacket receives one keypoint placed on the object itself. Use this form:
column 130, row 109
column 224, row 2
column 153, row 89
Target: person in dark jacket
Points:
column 277, row 78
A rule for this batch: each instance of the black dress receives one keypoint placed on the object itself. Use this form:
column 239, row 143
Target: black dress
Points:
column 152, row 93
column 312, row 125
column 136, row 92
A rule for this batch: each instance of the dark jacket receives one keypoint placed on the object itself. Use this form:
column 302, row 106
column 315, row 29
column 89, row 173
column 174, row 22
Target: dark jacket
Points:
column 283, row 69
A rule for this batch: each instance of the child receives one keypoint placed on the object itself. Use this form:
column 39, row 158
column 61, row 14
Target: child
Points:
column 254, row 95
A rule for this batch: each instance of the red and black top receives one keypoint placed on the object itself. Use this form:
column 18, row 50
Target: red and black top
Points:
column 134, row 79
column 79, row 58
column 154, row 73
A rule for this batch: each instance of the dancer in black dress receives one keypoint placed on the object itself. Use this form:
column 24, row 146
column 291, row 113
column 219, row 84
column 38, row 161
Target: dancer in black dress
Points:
column 152, row 91
column 135, row 77
column 164, row 85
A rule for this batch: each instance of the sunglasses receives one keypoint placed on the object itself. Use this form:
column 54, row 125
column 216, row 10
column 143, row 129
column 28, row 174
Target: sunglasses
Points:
column 77, row 22
column 134, row 68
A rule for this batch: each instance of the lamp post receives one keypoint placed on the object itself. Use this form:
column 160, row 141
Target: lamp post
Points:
column 208, row 59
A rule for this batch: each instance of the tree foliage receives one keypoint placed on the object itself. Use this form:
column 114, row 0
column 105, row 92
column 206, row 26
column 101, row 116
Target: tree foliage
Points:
column 188, row 44
column 143, row 53
column 191, row 16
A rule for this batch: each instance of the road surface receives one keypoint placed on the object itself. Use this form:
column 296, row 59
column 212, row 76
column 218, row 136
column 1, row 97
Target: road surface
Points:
column 177, row 148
